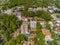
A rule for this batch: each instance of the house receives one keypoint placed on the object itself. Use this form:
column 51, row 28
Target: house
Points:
column 30, row 9
column 58, row 23
column 52, row 24
column 42, row 22
column 54, row 16
column 47, row 34
column 46, row 31
column 24, row 18
column 44, row 9
column 20, row 7
column 9, row 11
column 39, row 8
column 24, row 28
column 51, row 11
column 19, row 15
column 49, row 7
column 33, row 24
column 34, row 10
column 57, row 30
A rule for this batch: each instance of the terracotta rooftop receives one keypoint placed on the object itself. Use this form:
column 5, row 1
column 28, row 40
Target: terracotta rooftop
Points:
column 46, row 32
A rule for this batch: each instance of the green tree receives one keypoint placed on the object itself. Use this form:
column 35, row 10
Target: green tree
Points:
column 17, row 41
column 44, row 15
column 11, row 42
column 39, row 36
column 8, row 24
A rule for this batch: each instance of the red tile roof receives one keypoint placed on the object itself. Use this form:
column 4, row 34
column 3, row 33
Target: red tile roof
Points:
column 46, row 32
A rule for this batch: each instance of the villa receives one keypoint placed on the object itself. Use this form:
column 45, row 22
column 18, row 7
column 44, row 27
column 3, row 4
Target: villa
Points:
column 9, row 11
column 47, row 34
column 33, row 25
column 19, row 15
column 24, row 28
column 42, row 22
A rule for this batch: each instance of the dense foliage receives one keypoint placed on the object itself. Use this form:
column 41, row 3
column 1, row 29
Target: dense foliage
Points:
column 44, row 15
column 40, row 36
column 27, row 3
column 8, row 24
column 17, row 41
column 39, row 13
